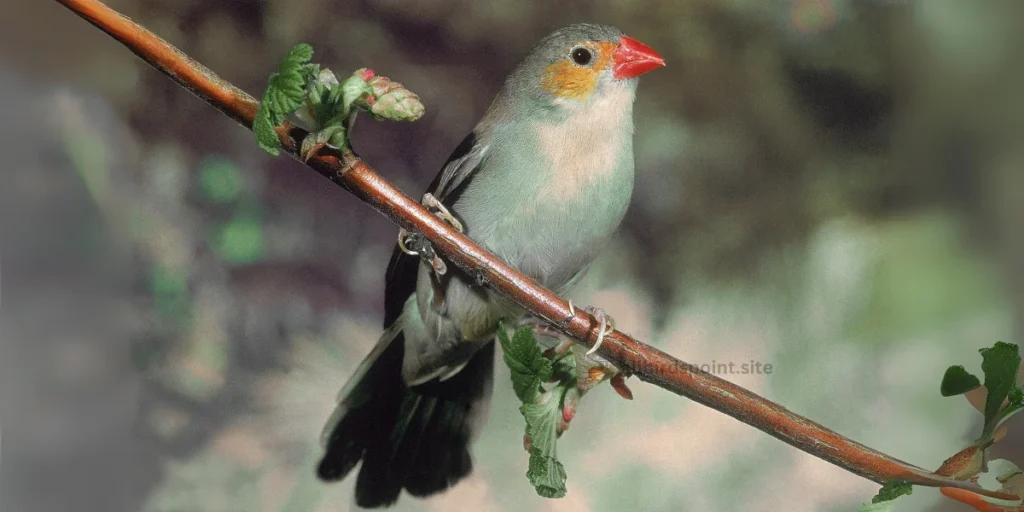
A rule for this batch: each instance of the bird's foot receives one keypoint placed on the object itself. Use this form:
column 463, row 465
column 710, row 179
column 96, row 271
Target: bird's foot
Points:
column 606, row 321
column 592, row 369
column 438, row 208
column 415, row 244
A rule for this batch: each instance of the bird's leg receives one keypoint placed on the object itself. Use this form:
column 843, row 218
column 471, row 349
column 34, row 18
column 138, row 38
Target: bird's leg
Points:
column 591, row 369
column 415, row 244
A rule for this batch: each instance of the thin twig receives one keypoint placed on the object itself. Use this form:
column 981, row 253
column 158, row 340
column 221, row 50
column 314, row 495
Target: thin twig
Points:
column 646, row 362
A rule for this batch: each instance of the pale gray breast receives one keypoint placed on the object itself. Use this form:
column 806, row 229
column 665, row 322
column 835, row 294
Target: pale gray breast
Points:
column 549, row 195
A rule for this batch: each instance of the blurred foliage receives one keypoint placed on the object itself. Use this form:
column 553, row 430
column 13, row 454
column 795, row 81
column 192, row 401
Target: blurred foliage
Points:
column 240, row 240
column 220, row 180
column 927, row 278
column 830, row 186
column 169, row 290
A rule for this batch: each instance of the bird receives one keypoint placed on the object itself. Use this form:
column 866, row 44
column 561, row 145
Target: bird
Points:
column 543, row 182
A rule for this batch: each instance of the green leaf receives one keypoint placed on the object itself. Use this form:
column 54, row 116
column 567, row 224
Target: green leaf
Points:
column 1000, row 364
column 547, row 476
column 542, row 409
column 564, row 368
column 545, row 473
column 285, row 93
column 957, row 381
column 891, row 490
column 263, row 128
column 287, row 87
column 526, row 361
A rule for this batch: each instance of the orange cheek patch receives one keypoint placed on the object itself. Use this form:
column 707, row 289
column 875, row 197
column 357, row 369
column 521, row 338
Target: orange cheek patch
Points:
column 565, row 79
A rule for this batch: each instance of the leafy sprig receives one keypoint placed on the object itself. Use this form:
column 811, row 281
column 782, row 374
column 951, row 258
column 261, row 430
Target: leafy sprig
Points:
column 285, row 92
column 1000, row 364
column 324, row 104
column 547, row 411
column 1003, row 398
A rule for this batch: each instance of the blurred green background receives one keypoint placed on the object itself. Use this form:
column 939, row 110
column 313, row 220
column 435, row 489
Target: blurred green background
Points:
column 832, row 187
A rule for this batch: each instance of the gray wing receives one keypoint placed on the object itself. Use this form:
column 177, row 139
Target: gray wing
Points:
column 458, row 171
column 448, row 185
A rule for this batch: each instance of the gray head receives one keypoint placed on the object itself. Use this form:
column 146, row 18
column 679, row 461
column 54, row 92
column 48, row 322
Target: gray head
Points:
column 575, row 64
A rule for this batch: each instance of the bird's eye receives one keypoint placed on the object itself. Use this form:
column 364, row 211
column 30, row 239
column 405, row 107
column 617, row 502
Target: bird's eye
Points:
column 581, row 55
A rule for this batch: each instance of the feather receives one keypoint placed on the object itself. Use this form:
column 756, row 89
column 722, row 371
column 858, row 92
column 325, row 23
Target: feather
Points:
column 417, row 437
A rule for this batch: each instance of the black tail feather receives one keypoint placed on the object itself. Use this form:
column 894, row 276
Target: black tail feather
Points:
column 413, row 438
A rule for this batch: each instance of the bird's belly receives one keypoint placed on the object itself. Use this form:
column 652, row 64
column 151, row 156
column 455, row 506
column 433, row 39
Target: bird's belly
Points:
column 552, row 247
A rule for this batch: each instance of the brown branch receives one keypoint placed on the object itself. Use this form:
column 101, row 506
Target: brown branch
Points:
column 647, row 363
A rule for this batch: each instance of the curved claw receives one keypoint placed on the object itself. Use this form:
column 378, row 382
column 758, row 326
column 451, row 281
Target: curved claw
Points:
column 607, row 327
column 572, row 313
column 402, row 235
column 413, row 244
column 607, row 324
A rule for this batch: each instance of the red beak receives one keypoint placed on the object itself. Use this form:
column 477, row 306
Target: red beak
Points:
column 633, row 58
